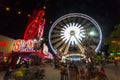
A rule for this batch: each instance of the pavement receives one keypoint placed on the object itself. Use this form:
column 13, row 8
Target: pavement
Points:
column 51, row 73
column 2, row 75
column 113, row 72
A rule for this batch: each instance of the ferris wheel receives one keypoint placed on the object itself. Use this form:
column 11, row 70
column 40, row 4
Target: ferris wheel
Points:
column 73, row 32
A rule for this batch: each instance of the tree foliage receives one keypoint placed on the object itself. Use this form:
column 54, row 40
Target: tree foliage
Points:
column 113, row 40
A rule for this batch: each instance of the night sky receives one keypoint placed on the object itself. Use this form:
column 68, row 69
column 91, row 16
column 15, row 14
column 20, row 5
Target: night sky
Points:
column 105, row 12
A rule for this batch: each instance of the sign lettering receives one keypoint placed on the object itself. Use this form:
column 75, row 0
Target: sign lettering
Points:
column 23, row 45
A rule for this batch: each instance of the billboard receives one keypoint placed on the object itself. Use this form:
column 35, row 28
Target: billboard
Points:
column 6, row 44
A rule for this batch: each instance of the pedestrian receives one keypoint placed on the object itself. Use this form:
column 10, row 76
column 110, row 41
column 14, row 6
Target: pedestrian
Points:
column 103, row 73
column 76, row 73
column 66, row 72
column 62, row 71
column 71, row 71
column 8, row 73
column 82, row 73
column 19, row 73
column 55, row 63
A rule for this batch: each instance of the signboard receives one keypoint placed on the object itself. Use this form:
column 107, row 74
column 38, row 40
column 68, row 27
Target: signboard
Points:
column 6, row 44
column 23, row 45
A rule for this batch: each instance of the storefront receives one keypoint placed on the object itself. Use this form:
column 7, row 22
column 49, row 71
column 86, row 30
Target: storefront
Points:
column 15, row 51
column 6, row 45
column 26, row 50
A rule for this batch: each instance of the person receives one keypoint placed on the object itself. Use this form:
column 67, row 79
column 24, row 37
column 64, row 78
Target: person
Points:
column 26, row 63
column 8, row 73
column 66, row 72
column 103, row 73
column 82, row 73
column 71, row 71
column 76, row 71
column 19, row 74
column 62, row 71
column 82, row 70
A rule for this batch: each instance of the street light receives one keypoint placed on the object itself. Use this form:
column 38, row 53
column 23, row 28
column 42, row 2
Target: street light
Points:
column 92, row 33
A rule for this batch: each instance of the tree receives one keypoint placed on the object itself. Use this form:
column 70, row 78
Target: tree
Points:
column 113, row 40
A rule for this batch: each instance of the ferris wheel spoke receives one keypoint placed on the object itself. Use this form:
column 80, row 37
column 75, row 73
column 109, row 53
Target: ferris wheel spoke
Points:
column 84, row 21
column 66, row 49
column 81, row 48
column 93, row 46
column 69, row 20
column 79, row 20
column 64, row 21
column 73, row 19
column 58, row 27
column 55, row 36
column 79, row 45
column 68, row 45
column 56, row 31
column 56, row 40
column 87, row 25
column 65, row 27
column 58, row 44
column 61, row 24
column 62, row 47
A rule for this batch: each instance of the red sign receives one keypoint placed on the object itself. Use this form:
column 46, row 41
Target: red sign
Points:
column 3, row 44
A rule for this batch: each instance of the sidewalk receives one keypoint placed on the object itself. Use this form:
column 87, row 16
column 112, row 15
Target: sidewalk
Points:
column 2, row 75
column 51, row 73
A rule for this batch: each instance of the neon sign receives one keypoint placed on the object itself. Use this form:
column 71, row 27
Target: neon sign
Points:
column 36, row 27
column 23, row 45
column 3, row 44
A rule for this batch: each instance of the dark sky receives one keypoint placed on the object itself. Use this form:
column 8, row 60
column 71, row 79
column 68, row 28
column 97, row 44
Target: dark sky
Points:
column 105, row 12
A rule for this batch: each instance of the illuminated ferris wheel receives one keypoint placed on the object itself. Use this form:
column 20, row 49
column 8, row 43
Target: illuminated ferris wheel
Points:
column 73, row 32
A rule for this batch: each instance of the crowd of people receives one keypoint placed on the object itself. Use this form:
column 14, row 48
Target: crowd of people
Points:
column 86, row 72
column 68, row 71
column 24, row 72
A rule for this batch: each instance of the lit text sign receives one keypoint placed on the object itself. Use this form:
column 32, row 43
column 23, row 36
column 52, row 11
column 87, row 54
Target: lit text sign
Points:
column 6, row 44
column 3, row 44
column 23, row 45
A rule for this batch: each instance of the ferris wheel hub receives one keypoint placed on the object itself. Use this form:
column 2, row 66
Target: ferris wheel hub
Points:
column 72, row 32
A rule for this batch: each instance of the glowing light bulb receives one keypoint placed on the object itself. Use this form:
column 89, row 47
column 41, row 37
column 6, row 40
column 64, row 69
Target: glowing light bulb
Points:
column 7, row 9
column 19, row 12
column 28, row 15
column 44, row 7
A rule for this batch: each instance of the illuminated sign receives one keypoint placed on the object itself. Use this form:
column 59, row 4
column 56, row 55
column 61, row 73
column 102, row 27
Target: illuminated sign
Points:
column 112, row 54
column 118, row 53
column 36, row 27
column 6, row 44
column 3, row 44
column 23, row 45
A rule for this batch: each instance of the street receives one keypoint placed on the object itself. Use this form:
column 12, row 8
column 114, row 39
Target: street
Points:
column 113, row 72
